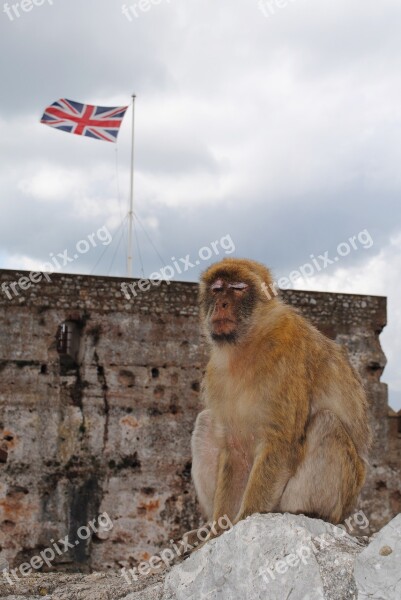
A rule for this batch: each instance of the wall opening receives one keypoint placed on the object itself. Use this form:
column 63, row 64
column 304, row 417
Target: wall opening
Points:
column 68, row 346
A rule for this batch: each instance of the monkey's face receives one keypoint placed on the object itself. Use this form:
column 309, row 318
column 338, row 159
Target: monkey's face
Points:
column 230, row 293
column 229, row 303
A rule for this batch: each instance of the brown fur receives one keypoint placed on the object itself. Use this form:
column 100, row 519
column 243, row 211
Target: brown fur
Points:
column 285, row 426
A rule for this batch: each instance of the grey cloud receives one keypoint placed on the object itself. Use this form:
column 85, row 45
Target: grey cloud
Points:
column 289, row 126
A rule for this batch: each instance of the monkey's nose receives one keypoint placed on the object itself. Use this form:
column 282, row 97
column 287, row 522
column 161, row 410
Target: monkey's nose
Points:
column 225, row 304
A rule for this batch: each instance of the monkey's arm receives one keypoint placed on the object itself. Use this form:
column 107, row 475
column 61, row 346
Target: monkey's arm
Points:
column 224, row 499
column 280, row 450
column 270, row 473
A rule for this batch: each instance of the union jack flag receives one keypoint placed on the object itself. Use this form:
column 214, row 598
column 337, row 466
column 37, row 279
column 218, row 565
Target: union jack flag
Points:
column 99, row 122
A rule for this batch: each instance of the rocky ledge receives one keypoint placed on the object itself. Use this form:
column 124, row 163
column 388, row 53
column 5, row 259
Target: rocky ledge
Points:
column 283, row 557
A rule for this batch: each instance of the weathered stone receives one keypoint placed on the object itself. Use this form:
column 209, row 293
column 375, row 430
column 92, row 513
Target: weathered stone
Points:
column 113, row 433
column 270, row 556
column 99, row 586
column 266, row 556
column 378, row 567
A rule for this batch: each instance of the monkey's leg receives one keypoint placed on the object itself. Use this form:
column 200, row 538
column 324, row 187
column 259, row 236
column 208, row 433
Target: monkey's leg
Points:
column 327, row 482
column 205, row 454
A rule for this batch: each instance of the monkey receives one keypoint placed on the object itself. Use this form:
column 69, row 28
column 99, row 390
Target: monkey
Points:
column 285, row 425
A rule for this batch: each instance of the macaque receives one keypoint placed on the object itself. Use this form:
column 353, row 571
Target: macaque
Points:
column 285, row 426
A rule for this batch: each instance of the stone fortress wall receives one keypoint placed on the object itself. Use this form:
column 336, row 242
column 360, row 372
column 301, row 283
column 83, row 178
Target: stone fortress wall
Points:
column 98, row 398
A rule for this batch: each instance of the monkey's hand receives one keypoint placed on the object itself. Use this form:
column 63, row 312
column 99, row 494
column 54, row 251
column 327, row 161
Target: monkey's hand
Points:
column 195, row 540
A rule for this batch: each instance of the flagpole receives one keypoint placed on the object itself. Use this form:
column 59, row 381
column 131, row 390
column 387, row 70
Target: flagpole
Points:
column 131, row 206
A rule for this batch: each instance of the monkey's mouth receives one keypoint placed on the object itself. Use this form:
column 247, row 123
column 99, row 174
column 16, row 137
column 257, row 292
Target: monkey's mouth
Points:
column 223, row 326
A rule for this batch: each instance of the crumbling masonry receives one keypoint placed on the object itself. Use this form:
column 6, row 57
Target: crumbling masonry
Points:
column 98, row 398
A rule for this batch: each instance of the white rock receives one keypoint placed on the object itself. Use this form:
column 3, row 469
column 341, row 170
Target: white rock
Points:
column 269, row 557
column 378, row 567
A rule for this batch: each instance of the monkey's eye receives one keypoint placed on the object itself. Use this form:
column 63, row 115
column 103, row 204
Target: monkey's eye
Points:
column 238, row 285
column 217, row 285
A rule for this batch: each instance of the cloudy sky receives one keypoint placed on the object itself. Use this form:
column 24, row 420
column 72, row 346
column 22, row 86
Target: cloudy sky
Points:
column 275, row 123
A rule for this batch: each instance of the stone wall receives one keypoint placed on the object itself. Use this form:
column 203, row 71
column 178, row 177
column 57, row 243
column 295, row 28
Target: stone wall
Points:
column 108, row 430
